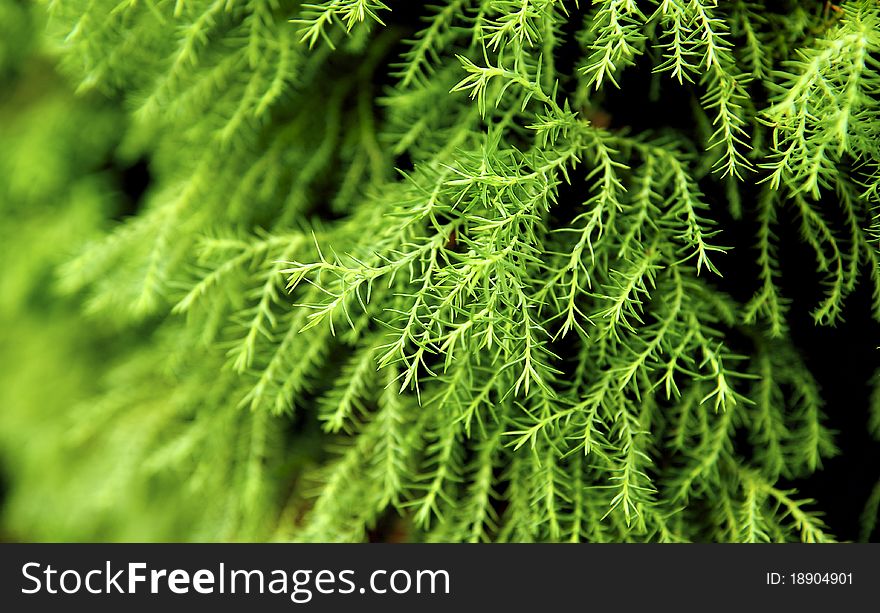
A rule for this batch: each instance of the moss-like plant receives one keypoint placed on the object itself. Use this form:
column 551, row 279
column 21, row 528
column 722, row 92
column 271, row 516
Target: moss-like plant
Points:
column 467, row 265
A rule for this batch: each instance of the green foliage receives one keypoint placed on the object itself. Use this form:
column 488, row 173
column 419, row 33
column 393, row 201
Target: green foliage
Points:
column 388, row 269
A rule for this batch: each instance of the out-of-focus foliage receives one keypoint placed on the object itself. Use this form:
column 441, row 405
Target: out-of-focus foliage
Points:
column 94, row 434
column 16, row 36
column 517, row 336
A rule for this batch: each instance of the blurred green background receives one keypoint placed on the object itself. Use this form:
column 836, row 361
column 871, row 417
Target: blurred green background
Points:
column 61, row 183
column 99, row 436
column 57, row 188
